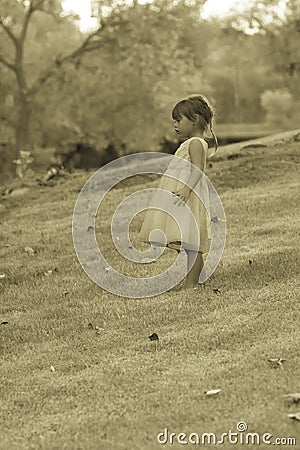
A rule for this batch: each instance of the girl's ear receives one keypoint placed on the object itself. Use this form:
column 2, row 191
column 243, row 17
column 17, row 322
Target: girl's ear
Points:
column 196, row 117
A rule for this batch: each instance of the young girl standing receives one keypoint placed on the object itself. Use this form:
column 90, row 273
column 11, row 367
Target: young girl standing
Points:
column 193, row 118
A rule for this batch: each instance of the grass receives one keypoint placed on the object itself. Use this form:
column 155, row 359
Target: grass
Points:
column 78, row 369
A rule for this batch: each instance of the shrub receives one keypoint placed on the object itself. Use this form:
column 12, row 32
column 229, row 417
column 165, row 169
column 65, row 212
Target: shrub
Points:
column 281, row 108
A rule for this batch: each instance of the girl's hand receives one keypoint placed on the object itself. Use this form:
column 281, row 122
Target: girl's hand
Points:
column 182, row 195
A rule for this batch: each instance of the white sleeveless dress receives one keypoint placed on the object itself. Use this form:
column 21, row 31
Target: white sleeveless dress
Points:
column 156, row 219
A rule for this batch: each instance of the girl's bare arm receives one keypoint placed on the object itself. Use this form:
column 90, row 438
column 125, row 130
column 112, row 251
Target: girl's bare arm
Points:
column 197, row 154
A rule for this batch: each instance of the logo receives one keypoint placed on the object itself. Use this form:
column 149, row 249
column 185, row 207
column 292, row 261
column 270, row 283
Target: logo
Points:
column 103, row 181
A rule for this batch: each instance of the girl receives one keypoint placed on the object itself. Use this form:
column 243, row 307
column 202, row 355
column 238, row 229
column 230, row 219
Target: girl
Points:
column 193, row 117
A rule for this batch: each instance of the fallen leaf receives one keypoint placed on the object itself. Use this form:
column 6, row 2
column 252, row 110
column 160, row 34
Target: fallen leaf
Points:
column 98, row 329
column 212, row 392
column 107, row 269
column 295, row 416
column 153, row 337
column 5, row 322
column 51, row 173
column 216, row 290
column 48, row 273
column 52, row 369
column 29, row 251
column 66, row 292
column 277, row 362
column 250, row 261
column 90, row 326
column 2, row 275
column 295, row 397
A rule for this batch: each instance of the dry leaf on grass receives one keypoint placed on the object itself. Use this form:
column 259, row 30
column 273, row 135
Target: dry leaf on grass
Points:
column 95, row 327
column 295, row 416
column 52, row 368
column 29, row 251
column 277, row 363
column 153, row 337
column 98, row 329
column 295, row 397
column 2, row 276
column 212, row 392
column 50, row 272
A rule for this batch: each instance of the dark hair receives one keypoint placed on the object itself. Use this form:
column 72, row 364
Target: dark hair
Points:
column 197, row 105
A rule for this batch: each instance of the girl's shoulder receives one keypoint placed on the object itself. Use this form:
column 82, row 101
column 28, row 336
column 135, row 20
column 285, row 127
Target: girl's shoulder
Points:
column 188, row 141
column 202, row 140
column 209, row 150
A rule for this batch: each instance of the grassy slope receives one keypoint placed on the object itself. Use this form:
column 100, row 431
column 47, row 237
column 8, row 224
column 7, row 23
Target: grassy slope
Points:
column 111, row 388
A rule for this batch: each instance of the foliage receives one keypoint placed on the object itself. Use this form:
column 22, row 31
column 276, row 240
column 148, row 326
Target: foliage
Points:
column 281, row 107
column 279, row 23
column 117, row 85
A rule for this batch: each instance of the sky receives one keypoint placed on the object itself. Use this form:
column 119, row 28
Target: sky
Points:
column 83, row 9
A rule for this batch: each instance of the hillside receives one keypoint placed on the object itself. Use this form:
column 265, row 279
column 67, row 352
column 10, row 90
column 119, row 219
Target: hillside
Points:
column 78, row 369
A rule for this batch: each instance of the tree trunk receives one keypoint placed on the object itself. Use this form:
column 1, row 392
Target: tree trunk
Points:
column 22, row 128
column 23, row 109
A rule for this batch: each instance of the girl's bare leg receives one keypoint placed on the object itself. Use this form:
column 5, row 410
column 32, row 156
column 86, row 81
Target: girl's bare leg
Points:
column 192, row 279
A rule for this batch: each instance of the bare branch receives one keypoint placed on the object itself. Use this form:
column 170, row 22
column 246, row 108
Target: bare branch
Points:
column 36, row 5
column 9, row 33
column 33, row 7
column 87, row 46
column 27, row 18
column 41, row 80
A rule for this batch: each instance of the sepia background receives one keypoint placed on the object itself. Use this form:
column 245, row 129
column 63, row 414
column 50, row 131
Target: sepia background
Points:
column 82, row 84
column 104, row 87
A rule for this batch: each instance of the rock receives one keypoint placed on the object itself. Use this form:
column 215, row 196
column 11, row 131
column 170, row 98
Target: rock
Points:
column 19, row 191
column 297, row 137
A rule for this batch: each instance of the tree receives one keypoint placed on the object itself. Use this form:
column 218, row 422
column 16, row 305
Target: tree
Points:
column 121, row 93
column 14, row 24
column 279, row 23
column 58, row 82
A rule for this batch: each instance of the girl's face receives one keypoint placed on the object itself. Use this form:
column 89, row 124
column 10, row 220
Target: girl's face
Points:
column 184, row 127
